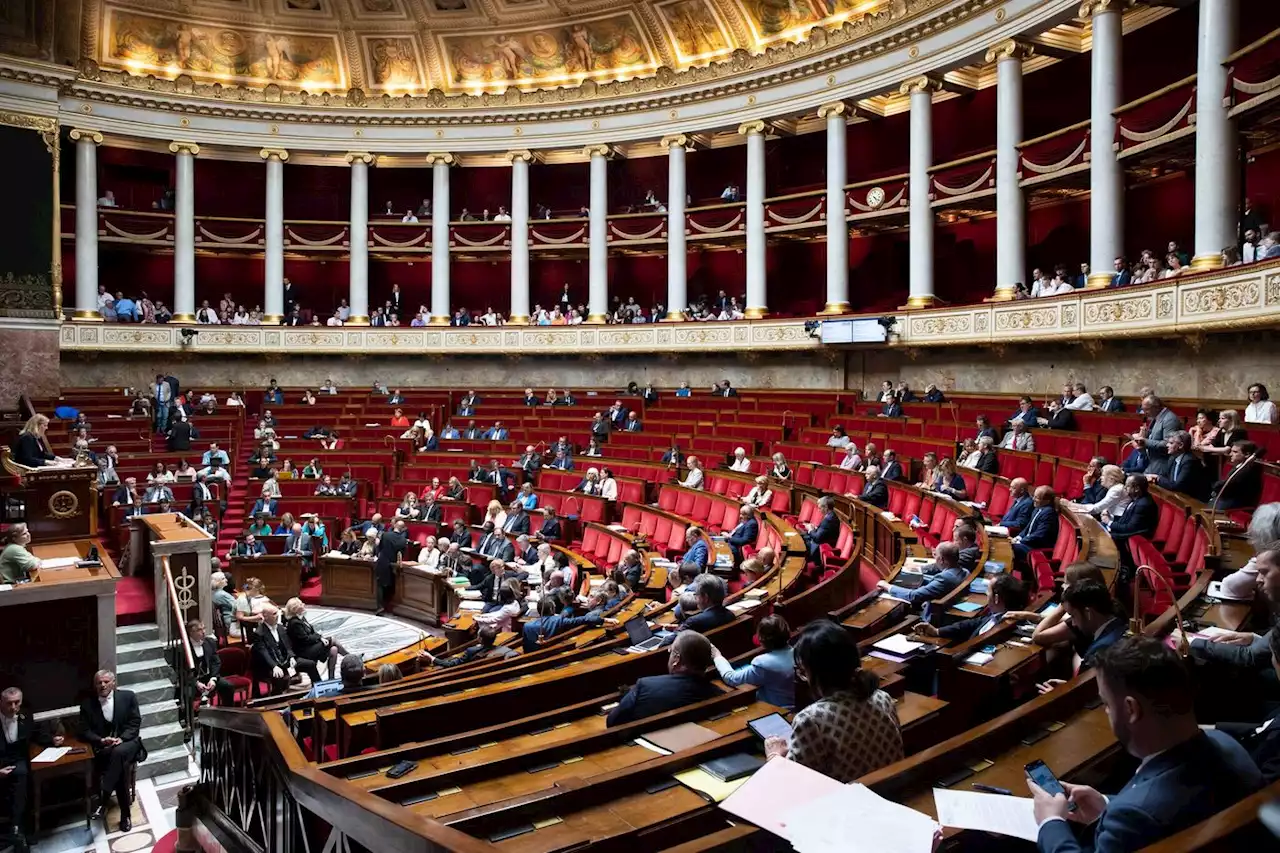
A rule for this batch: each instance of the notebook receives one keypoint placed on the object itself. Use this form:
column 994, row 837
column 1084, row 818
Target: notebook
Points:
column 683, row 736
column 733, row 766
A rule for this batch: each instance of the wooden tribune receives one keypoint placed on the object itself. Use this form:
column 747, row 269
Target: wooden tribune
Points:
column 61, row 503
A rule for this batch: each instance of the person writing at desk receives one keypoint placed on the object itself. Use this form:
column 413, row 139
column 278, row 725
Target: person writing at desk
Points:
column 1094, row 625
column 1186, row 775
column 110, row 722
column 31, row 449
column 17, row 733
column 16, row 562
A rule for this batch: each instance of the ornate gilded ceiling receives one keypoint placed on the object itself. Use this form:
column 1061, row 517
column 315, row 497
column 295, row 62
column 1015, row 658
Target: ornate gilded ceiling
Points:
column 455, row 46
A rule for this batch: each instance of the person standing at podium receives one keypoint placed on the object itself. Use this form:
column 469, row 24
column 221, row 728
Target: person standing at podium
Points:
column 32, row 448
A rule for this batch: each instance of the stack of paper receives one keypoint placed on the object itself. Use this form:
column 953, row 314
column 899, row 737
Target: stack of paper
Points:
column 898, row 644
column 988, row 812
column 997, row 530
column 59, row 563
column 744, row 605
column 471, row 605
column 980, row 658
column 51, row 754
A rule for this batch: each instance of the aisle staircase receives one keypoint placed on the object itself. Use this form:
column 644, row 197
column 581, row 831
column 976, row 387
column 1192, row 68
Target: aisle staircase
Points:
column 233, row 520
column 141, row 667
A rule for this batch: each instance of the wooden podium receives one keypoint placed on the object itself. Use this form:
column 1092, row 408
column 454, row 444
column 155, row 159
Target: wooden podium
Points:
column 61, row 502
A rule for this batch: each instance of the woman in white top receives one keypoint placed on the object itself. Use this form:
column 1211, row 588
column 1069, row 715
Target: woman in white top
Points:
column 694, row 478
column 760, row 495
column 608, row 485
column 969, row 458
column 429, row 556
column 249, row 605
column 1260, row 409
column 851, row 461
column 741, row 463
column 1115, row 500
column 509, row 597
column 496, row 514
column 235, row 399
column 240, row 318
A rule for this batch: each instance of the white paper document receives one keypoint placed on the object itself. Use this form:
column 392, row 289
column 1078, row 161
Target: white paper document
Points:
column 51, row 755
column 898, row 644
column 59, row 563
column 989, row 812
column 855, row 819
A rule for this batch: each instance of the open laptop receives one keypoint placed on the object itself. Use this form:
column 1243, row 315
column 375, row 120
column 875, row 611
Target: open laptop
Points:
column 642, row 639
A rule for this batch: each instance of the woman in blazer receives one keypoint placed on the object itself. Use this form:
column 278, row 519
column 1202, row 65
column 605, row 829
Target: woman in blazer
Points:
column 308, row 643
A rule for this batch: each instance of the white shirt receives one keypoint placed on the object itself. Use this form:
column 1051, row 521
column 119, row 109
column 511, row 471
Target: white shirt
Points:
column 502, row 217
column 234, row 401
column 851, row 461
column 1083, row 403
column 1062, row 288
column 758, row 496
column 1261, row 412
column 10, row 725
column 742, row 465
column 109, row 707
column 344, row 313
column 429, row 557
column 609, row 489
column 207, row 316
column 239, row 319
column 334, row 321
column 694, row 479
column 409, row 217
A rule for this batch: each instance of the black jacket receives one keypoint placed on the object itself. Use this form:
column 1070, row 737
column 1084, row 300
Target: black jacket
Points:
column 29, row 732
column 180, row 436
column 305, row 639
column 1263, row 743
column 550, row 529
column 1139, row 519
column 706, row 620
column 876, row 494
column 658, row 694
column 988, row 463
column 390, row 547
column 208, row 666
column 126, row 725
column 30, row 451
column 1244, row 490
column 268, row 651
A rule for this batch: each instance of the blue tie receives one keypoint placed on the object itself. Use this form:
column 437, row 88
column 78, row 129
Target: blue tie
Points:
column 1177, row 463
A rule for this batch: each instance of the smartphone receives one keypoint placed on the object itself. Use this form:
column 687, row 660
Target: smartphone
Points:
column 770, row 725
column 1039, row 772
column 990, row 650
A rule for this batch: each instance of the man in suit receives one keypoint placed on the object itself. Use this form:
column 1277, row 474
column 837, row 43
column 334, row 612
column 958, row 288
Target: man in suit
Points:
column 1183, row 472
column 1020, row 505
column 17, row 733
column 1026, row 412
column 180, row 435
column 891, row 469
column 1241, row 483
column 710, row 591
column 1018, row 437
column 272, row 651
column 517, row 519
column 649, row 395
column 1185, row 776
column 689, row 657
column 697, row 557
column 617, row 414
column 299, row 543
column 1163, row 423
column 429, row 510
column 1241, row 650
column 472, row 432
column 1094, row 623
column 1042, row 528
column 1262, row 741
column 600, row 427
column 490, row 541
column 551, row 622
column 988, row 462
column 724, row 390
column 949, row 575
column 267, row 506
column 391, row 548
column 550, row 529
column 1004, row 593
column 1139, row 518
column 632, row 423
column 529, row 463
column 124, row 495
column 745, row 533
column 482, row 649
column 110, row 722
column 1096, row 490
column 1109, row 402
column 1060, row 417
column 874, row 490
column 530, row 398
column 933, row 395
column 247, row 546
column 825, row 532
column 467, row 406
column 631, row 567
column 892, row 408
column 497, row 432
column 492, row 583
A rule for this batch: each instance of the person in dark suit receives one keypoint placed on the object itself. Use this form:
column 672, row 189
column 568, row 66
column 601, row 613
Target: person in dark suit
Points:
column 429, row 510
column 110, row 723
column 724, row 390
column 825, row 532
column 891, row 469
column 460, row 536
column 695, row 560
column 180, row 435
column 18, row 732
column 551, row 622
column 1020, row 506
column 1183, row 472
column 491, row 585
column 1026, row 412
column 1096, row 624
column 874, row 490
column 517, row 519
column 266, row 506
column 988, row 462
column 1186, row 775
column 1261, row 740
column 710, row 591
column 947, row 576
column 391, row 547
column 208, row 678
column 30, row 448
column 1042, row 527
column 550, row 529
column 308, row 644
column 467, row 405
column 1005, row 593
column 1060, row 417
column 892, row 408
column 685, row 682
column 1094, row 489
column 649, row 395
column 1241, row 484
column 482, row 649
column 529, row 463
column 631, row 568
column 933, row 395
column 1139, row 518
column 673, row 457
column 472, row 432
column 745, row 533
column 273, row 659
column 1108, row 401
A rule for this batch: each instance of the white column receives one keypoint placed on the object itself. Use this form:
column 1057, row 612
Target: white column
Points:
column 920, row 209
column 1217, row 187
column 273, row 298
column 677, row 250
column 598, row 235
column 836, row 116
column 757, row 304
column 87, row 142
column 184, row 233
column 520, row 160
column 1011, row 206
column 440, row 307
column 1106, row 181
column 359, row 238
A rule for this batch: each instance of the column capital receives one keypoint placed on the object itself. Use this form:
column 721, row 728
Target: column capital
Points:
column 680, row 139
column 362, row 156
column 440, row 157
column 184, row 148
column 835, row 108
column 1089, row 8
column 923, row 83
column 749, row 127
column 524, row 155
column 1010, row 49
column 278, row 153
column 78, row 133
column 597, row 151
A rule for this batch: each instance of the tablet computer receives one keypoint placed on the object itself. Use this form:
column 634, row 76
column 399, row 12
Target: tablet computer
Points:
column 770, row 725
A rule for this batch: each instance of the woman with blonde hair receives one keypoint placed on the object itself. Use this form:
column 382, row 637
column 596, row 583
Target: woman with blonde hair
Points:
column 286, row 525
column 495, row 513
column 389, row 673
column 760, row 496
column 781, row 471
column 1114, row 501
column 31, row 449
column 929, row 469
column 309, row 646
column 250, row 603
column 409, row 507
column 1229, row 432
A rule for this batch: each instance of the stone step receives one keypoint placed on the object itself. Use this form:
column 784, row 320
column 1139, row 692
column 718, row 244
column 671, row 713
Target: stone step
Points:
column 138, row 633
column 129, row 674
column 162, row 736
column 146, row 650
column 153, row 692
column 161, row 761
column 158, row 713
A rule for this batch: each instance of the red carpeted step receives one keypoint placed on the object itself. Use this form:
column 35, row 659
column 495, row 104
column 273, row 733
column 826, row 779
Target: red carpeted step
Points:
column 135, row 601
column 168, row 844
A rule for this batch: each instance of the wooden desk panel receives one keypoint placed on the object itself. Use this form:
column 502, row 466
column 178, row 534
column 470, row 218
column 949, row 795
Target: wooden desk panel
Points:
column 347, row 582
column 281, row 576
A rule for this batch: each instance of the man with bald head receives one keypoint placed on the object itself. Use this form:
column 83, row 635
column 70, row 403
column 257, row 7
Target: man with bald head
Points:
column 686, row 682
column 949, row 575
column 1041, row 530
column 1020, row 506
